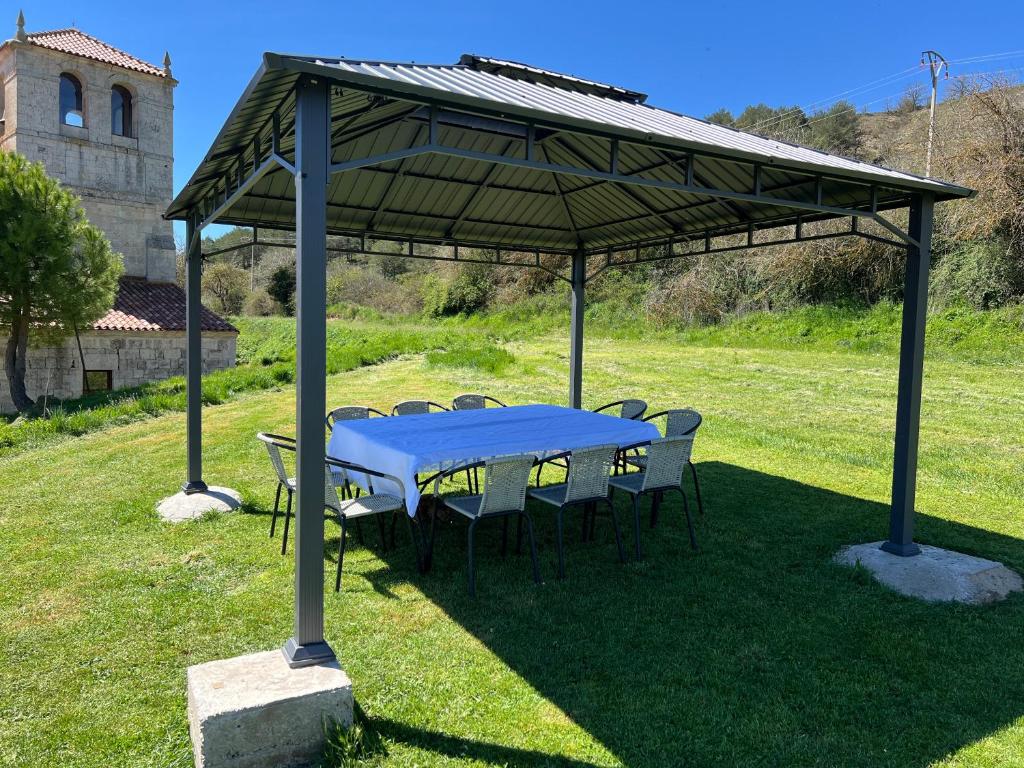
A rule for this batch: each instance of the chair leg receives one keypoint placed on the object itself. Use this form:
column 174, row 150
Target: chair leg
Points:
column 561, row 548
column 383, row 532
column 341, row 554
column 287, row 519
column 533, row 546
column 618, row 535
column 588, row 510
column 359, row 533
column 696, row 487
column 472, row 575
column 655, row 507
column 504, row 536
column 689, row 521
column 636, row 525
column 394, row 522
column 277, row 508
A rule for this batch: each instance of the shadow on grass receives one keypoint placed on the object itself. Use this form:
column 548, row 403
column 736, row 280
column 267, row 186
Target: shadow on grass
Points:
column 756, row 650
column 456, row 747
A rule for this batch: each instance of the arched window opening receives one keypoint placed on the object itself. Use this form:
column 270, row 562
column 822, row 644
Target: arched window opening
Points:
column 120, row 111
column 71, row 101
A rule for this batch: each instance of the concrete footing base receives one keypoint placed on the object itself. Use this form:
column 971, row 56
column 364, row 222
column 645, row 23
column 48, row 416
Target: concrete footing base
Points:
column 256, row 712
column 189, row 506
column 935, row 574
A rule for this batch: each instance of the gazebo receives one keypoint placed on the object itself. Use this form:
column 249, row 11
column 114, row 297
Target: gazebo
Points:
column 498, row 162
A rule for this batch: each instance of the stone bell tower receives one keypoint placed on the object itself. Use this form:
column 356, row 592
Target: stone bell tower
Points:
column 100, row 121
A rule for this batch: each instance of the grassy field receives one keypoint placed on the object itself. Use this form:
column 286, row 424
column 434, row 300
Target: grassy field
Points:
column 757, row 651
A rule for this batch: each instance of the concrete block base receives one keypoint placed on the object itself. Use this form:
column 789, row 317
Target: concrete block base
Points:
column 256, row 712
column 190, row 506
column 936, row 574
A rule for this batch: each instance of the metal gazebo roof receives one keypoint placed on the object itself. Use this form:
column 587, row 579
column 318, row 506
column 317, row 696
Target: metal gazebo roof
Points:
column 500, row 158
column 494, row 152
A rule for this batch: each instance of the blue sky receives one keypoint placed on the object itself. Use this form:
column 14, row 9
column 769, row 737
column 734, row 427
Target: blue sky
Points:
column 692, row 57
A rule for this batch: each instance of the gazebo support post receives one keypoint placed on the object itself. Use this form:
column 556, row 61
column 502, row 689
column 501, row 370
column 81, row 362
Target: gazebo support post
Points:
column 579, row 277
column 193, row 360
column 908, row 396
column 307, row 646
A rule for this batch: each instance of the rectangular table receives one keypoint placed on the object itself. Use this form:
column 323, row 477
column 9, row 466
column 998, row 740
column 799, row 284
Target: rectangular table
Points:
column 406, row 446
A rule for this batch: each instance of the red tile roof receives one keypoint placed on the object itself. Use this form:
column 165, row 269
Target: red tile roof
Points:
column 78, row 43
column 144, row 306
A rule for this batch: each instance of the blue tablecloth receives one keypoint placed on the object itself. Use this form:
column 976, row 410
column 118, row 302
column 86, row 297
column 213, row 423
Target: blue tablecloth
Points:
column 405, row 446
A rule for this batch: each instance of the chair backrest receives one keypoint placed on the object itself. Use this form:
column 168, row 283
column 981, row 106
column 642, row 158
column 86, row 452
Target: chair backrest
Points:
column 681, row 421
column 415, row 407
column 505, row 483
column 469, row 402
column 350, row 413
column 666, row 460
column 474, row 402
column 589, row 470
column 331, row 499
column 633, row 409
column 274, row 444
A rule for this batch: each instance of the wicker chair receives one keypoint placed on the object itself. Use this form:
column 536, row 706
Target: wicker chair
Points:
column 667, row 458
column 504, row 494
column 364, row 506
column 473, row 402
column 586, row 484
column 415, row 407
column 628, row 409
column 678, row 422
column 350, row 412
column 274, row 445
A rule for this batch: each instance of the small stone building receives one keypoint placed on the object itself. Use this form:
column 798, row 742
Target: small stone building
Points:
column 101, row 121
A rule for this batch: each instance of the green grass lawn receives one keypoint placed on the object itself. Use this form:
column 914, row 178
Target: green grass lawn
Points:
column 757, row 651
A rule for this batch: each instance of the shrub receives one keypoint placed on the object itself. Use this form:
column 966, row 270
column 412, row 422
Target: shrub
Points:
column 282, row 287
column 457, row 290
column 981, row 275
column 261, row 304
column 225, row 288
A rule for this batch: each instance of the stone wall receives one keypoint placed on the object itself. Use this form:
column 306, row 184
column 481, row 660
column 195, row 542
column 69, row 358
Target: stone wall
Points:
column 125, row 182
column 134, row 359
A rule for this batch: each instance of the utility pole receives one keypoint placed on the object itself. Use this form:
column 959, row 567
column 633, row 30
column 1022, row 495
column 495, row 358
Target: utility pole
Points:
column 252, row 261
column 936, row 64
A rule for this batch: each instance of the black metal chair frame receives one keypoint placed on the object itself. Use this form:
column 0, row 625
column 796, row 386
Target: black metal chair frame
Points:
column 343, row 521
column 522, row 515
column 589, row 514
column 487, row 398
column 656, row 498
column 621, row 402
column 281, row 442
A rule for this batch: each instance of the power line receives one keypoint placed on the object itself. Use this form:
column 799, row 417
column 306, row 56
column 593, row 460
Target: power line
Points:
column 867, row 87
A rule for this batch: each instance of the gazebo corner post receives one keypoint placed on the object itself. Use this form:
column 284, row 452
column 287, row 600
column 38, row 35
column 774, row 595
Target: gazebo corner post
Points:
column 579, row 279
column 307, row 646
column 193, row 359
column 908, row 397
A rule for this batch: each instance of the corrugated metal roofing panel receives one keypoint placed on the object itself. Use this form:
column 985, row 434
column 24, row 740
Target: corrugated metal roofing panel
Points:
column 378, row 107
column 605, row 112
